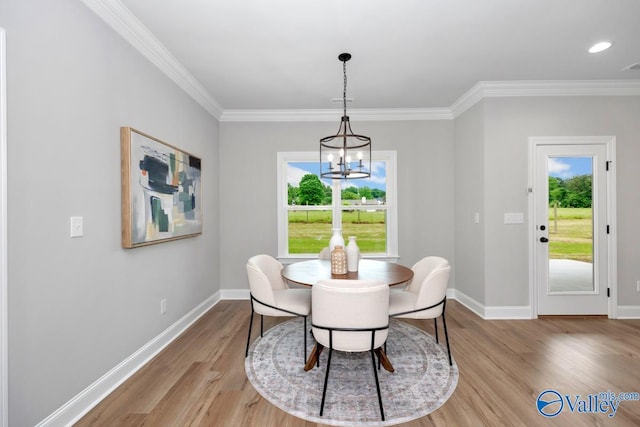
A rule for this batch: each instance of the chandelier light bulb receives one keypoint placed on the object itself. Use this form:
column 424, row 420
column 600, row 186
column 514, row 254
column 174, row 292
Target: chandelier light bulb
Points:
column 330, row 157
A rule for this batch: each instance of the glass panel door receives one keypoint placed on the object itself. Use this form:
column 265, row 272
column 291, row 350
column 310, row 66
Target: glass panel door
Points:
column 571, row 226
column 571, row 246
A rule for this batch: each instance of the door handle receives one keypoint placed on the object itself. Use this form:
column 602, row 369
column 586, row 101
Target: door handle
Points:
column 544, row 239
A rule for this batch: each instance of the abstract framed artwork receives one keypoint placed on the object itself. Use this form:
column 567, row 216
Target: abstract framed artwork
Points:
column 161, row 191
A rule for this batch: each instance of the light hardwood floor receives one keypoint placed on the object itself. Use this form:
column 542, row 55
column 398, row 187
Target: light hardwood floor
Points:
column 199, row 379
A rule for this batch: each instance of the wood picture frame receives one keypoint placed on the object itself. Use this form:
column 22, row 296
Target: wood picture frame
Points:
column 161, row 191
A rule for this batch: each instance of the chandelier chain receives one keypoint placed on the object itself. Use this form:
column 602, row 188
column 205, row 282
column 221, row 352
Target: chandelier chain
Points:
column 344, row 90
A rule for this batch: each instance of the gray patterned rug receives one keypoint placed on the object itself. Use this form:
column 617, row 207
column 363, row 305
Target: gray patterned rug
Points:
column 421, row 383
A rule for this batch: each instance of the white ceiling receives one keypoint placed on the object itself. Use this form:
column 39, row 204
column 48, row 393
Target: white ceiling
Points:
column 282, row 54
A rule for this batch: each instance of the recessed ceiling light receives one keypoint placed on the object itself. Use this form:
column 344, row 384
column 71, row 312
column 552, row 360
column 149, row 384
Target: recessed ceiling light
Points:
column 599, row 47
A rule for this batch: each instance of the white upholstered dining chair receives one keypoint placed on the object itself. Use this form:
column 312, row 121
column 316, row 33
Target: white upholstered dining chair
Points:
column 425, row 297
column 325, row 253
column 351, row 316
column 270, row 295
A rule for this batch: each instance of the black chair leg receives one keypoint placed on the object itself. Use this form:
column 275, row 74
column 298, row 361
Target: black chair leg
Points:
column 446, row 337
column 435, row 326
column 318, row 360
column 375, row 373
column 326, row 378
column 304, row 331
column 261, row 324
column 246, row 351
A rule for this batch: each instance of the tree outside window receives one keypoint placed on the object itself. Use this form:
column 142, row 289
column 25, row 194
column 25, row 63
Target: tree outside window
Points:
column 306, row 215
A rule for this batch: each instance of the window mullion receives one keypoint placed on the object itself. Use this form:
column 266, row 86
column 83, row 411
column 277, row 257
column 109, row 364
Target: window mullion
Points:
column 336, row 197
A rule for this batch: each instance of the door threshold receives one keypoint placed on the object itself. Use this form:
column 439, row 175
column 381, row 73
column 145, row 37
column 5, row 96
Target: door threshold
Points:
column 572, row 316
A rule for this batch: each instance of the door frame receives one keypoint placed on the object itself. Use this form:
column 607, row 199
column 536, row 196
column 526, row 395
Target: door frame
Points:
column 4, row 368
column 610, row 145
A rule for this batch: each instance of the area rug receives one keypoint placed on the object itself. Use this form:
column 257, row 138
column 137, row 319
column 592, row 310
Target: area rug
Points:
column 421, row 383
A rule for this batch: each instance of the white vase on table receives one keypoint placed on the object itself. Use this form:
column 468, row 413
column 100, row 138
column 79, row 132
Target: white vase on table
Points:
column 336, row 239
column 353, row 254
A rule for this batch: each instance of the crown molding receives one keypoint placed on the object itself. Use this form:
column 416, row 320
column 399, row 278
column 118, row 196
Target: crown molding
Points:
column 363, row 115
column 125, row 23
column 480, row 91
column 521, row 88
column 115, row 14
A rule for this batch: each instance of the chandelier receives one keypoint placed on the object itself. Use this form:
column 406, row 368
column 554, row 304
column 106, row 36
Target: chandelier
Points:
column 345, row 155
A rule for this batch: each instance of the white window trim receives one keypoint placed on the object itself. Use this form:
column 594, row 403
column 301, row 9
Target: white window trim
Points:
column 4, row 334
column 283, row 158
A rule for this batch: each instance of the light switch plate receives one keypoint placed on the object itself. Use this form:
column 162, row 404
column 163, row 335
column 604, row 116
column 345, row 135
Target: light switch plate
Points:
column 513, row 217
column 76, row 226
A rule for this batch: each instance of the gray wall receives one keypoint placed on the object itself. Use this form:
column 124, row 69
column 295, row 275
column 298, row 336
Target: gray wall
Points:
column 491, row 164
column 509, row 122
column 425, row 186
column 78, row 307
column 469, row 199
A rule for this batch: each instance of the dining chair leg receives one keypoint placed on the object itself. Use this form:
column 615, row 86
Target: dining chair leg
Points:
column 314, row 357
column 383, row 360
column 385, row 352
column 375, row 373
column 261, row 324
column 304, row 332
column 326, row 378
column 435, row 326
column 446, row 337
column 246, row 351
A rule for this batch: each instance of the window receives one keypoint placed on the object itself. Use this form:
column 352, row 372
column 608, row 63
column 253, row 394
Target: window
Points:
column 308, row 207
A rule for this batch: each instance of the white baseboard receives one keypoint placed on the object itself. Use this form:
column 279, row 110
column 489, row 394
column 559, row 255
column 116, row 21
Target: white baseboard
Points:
column 507, row 312
column 515, row 312
column 490, row 312
column 628, row 312
column 77, row 407
column 521, row 312
column 467, row 301
column 234, row 294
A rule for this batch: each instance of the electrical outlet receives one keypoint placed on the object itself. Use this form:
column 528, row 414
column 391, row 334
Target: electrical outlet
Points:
column 163, row 306
column 638, row 286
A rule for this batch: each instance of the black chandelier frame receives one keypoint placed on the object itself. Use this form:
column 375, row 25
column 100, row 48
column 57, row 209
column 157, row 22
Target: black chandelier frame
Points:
column 343, row 145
